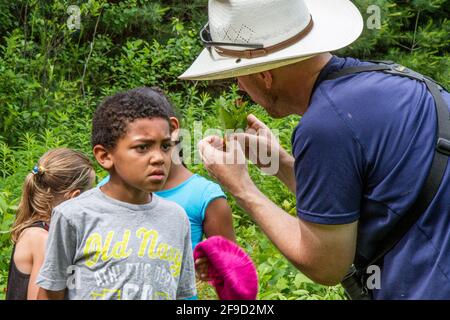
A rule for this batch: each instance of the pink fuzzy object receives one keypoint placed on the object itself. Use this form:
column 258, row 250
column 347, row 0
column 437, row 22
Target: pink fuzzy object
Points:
column 232, row 271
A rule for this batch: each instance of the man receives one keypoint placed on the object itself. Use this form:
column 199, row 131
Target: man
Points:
column 361, row 153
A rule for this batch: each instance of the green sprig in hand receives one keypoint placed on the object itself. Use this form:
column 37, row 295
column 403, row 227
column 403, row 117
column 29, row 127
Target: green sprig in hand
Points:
column 233, row 116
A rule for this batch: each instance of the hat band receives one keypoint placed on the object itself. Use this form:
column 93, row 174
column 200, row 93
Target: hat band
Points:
column 256, row 53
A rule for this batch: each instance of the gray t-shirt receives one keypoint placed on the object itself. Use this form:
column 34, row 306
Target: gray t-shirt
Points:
column 102, row 248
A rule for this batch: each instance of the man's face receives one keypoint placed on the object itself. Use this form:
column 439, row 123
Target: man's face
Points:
column 255, row 87
column 142, row 158
column 250, row 85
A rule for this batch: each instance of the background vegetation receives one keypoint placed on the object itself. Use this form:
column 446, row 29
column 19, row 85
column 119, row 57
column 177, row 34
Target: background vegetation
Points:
column 52, row 78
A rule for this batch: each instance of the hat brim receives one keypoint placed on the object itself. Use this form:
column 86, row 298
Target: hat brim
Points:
column 334, row 28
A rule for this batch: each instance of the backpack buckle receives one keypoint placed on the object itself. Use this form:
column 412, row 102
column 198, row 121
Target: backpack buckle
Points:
column 401, row 68
column 443, row 146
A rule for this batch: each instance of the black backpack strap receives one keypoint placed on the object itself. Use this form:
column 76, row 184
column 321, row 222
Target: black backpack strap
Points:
column 438, row 166
column 386, row 67
column 423, row 200
column 353, row 70
column 443, row 119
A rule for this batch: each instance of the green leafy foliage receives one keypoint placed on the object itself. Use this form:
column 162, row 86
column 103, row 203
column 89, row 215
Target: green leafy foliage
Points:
column 52, row 78
column 232, row 111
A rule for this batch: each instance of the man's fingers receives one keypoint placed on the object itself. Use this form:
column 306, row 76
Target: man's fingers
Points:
column 211, row 142
column 235, row 153
column 207, row 146
column 206, row 152
column 244, row 138
column 246, row 141
column 211, row 151
column 255, row 123
column 216, row 142
column 250, row 141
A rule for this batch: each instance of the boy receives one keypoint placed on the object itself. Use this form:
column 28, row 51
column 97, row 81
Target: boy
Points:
column 121, row 241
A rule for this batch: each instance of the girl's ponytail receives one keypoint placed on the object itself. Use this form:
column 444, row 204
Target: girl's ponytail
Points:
column 34, row 206
column 59, row 172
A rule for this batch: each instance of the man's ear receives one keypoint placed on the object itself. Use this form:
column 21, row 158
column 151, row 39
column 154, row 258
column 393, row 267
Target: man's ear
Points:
column 103, row 157
column 175, row 127
column 267, row 77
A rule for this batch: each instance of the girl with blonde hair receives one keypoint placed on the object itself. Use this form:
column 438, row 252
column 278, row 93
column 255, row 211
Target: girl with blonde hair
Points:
column 60, row 174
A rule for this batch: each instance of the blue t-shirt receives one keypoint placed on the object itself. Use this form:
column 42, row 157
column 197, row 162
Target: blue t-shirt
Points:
column 362, row 152
column 194, row 195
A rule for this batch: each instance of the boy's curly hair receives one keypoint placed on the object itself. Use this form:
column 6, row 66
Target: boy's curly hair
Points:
column 116, row 112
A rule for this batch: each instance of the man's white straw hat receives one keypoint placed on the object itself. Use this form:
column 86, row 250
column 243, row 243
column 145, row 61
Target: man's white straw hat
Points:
column 249, row 36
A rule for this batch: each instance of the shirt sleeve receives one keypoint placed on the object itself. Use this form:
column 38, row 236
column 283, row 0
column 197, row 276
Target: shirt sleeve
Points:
column 59, row 254
column 329, row 164
column 211, row 193
column 186, row 287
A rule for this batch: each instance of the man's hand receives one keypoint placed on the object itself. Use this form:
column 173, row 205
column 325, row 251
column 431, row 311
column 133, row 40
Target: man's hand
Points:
column 261, row 147
column 226, row 164
column 260, row 144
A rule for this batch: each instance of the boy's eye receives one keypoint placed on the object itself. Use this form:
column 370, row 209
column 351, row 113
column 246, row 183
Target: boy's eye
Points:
column 142, row 147
column 167, row 146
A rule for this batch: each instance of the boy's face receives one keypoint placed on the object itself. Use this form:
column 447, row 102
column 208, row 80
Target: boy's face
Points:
column 142, row 158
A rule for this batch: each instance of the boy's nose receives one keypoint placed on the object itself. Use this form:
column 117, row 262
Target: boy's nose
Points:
column 157, row 158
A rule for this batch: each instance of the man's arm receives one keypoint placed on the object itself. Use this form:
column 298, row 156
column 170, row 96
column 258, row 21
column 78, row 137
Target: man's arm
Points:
column 322, row 252
column 286, row 172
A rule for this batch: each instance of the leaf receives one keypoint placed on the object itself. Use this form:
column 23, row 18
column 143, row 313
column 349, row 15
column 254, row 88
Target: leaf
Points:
column 232, row 115
column 301, row 278
column 301, row 292
column 3, row 205
column 264, row 268
column 281, row 284
column 226, row 119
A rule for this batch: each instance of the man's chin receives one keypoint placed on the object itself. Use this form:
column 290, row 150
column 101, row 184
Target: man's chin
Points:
column 275, row 114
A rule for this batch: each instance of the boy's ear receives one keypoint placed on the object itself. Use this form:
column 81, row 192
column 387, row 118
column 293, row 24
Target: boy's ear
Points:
column 174, row 123
column 103, row 157
column 175, row 127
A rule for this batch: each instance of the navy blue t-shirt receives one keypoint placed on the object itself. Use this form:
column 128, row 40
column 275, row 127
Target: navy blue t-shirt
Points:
column 362, row 152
